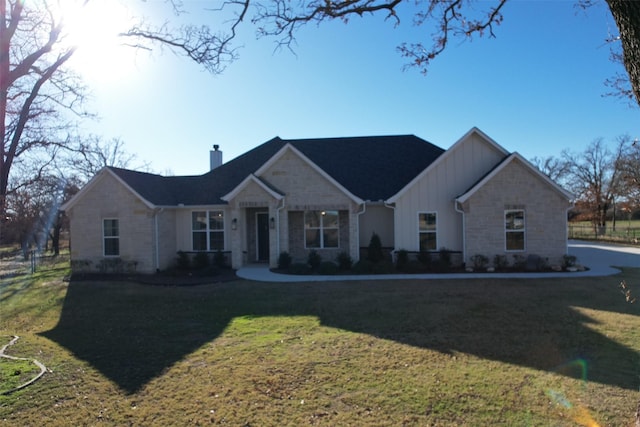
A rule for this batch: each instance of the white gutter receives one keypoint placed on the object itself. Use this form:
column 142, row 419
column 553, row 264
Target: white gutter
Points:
column 464, row 231
column 156, row 212
column 358, row 214
column 392, row 207
column 278, row 226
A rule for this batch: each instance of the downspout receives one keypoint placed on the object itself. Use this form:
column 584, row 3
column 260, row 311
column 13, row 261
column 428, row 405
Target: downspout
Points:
column 278, row 226
column 156, row 212
column 358, row 214
column 566, row 232
column 392, row 207
column 464, row 231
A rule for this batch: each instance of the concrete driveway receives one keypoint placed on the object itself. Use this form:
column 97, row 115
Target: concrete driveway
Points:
column 600, row 258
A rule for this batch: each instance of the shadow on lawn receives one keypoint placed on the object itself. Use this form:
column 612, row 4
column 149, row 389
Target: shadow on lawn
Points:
column 132, row 333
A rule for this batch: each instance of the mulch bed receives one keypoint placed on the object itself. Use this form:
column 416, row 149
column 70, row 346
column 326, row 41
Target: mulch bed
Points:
column 161, row 279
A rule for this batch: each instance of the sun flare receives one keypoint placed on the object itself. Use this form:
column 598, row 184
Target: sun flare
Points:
column 93, row 27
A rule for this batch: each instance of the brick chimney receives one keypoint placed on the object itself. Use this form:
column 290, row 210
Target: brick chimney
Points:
column 215, row 157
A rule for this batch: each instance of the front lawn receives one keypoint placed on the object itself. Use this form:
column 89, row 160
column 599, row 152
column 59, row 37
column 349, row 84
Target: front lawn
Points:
column 559, row 352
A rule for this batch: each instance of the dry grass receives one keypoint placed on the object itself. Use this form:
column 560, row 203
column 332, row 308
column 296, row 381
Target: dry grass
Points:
column 475, row 352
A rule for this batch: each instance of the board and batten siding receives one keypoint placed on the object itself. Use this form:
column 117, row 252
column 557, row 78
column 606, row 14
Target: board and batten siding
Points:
column 377, row 219
column 436, row 189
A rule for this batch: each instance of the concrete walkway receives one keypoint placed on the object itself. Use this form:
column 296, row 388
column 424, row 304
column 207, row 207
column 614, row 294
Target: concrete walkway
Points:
column 600, row 258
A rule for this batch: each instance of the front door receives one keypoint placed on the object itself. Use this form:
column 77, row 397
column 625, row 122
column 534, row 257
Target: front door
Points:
column 262, row 234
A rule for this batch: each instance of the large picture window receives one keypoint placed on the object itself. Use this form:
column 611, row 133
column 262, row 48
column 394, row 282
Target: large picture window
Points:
column 321, row 229
column 514, row 229
column 207, row 230
column 111, row 237
column 427, row 230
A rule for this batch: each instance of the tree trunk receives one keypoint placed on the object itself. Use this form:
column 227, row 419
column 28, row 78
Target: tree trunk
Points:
column 627, row 16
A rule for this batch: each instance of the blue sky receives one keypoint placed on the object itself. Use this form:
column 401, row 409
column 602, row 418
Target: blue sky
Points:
column 536, row 89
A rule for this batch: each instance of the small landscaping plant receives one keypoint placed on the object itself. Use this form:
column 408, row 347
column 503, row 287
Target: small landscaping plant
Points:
column 314, row 259
column 183, row 262
column 480, row 262
column 402, row 260
column 500, row 262
column 284, row 260
column 328, row 268
column 375, row 254
column 344, row 260
column 201, row 260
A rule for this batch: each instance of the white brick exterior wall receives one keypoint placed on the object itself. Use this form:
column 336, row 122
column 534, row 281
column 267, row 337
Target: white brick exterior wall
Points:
column 108, row 198
column 516, row 186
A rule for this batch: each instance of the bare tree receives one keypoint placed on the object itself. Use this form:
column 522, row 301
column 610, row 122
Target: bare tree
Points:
column 555, row 168
column 453, row 19
column 86, row 156
column 595, row 178
column 36, row 90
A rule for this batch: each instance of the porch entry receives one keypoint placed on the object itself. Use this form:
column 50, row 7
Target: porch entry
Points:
column 262, row 236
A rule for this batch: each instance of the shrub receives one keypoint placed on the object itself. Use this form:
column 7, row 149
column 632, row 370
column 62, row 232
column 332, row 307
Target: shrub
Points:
column 183, row 262
column 299, row 268
column 519, row 262
column 402, row 260
column 328, row 268
column 444, row 255
column 425, row 258
column 314, row 259
column 364, row 266
column 344, row 261
column 219, row 260
column 385, row 267
column 500, row 262
column 201, row 260
column 568, row 261
column 415, row 266
column 479, row 261
column 375, row 254
column 284, row 260
column 80, row 265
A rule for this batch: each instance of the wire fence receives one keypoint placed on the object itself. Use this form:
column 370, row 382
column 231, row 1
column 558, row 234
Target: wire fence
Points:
column 620, row 234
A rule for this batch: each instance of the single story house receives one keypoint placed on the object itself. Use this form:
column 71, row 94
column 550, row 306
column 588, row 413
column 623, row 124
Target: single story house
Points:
column 329, row 195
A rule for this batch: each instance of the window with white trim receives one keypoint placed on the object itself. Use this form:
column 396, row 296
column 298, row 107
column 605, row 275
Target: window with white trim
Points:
column 321, row 229
column 514, row 226
column 207, row 229
column 111, row 237
column 427, row 231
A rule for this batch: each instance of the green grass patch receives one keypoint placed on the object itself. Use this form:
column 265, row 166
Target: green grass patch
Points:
column 557, row 352
column 14, row 373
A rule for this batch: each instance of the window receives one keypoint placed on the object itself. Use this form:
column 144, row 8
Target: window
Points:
column 427, row 231
column 514, row 229
column 321, row 229
column 111, row 237
column 207, row 230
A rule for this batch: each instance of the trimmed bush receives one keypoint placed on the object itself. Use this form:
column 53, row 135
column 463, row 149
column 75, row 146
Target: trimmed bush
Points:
column 402, row 260
column 444, row 256
column 328, row 268
column 479, row 261
column 201, row 260
column 364, row 266
column 344, row 260
column 568, row 261
column 314, row 259
column 425, row 258
column 500, row 262
column 299, row 268
column 375, row 254
column 183, row 262
column 284, row 260
column 219, row 260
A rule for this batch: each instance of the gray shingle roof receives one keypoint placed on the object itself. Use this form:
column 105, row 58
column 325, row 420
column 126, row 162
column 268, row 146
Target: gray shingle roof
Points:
column 372, row 168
